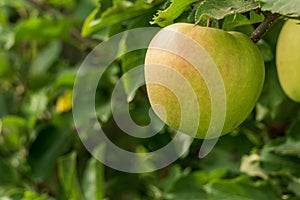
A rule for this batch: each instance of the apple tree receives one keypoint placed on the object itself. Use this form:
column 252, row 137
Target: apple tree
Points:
column 253, row 44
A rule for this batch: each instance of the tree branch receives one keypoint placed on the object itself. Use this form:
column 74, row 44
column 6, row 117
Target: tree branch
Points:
column 260, row 31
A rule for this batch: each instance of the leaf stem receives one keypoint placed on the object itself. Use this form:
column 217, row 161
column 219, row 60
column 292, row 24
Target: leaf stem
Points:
column 260, row 31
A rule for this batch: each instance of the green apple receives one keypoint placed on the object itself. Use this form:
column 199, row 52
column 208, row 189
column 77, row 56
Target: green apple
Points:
column 237, row 59
column 288, row 59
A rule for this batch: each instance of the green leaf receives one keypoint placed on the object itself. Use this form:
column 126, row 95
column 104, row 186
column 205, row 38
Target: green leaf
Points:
column 191, row 186
column 272, row 95
column 68, row 176
column 87, row 27
column 45, row 58
column 236, row 20
column 129, row 61
column 7, row 37
column 93, row 177
column 103, row 110
column 239, row 188
column 39, row 74
column 132, row 59
column 290, row 147
column 13, row 132
column 294, row 187
column 8, row 174
column 43, row 29
column 218, row 9
column 174, row 175
column 3, row 16
column 38, row 103
column 265, row 50
column 83, row 8
column 93, row 180
column 65, row 78
column 15, row 3
column 48, row 146
column 31, row 195
column 12, row 193
column 7, row 102
column 121, row 10
column 58, row 3
column 272, row 162
column 221, row 157
column 167, row 16
column 289, row 8
column 34, row 105
column 5, row 69
column 294, row 130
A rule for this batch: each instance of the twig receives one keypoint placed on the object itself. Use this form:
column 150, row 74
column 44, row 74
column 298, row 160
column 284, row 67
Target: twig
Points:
column 260, row 31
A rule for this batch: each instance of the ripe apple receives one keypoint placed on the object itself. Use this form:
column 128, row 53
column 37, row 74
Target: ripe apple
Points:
column 237, row 59
column 288, row 59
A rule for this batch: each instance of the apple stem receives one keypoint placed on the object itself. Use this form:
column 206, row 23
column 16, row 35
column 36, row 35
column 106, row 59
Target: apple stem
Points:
column 260, row 31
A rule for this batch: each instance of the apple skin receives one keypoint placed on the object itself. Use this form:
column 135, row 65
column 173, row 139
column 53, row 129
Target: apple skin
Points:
column 238, row 60
column 288, row 59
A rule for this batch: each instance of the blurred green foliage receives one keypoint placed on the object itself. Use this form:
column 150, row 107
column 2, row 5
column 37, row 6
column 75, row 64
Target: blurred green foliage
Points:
column 42, row 44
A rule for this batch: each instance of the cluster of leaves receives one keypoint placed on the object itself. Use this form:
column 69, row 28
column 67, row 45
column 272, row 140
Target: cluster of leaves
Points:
column 41, row 157
column 40, row 49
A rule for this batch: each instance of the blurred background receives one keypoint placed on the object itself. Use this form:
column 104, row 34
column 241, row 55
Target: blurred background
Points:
column 42, row 45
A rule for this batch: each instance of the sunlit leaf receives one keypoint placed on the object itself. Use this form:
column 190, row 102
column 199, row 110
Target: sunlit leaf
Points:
column 68, row 177
column 121, row 10
column 250, row 165
column 167, row 16
column 35, row 105
column 93, row 180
